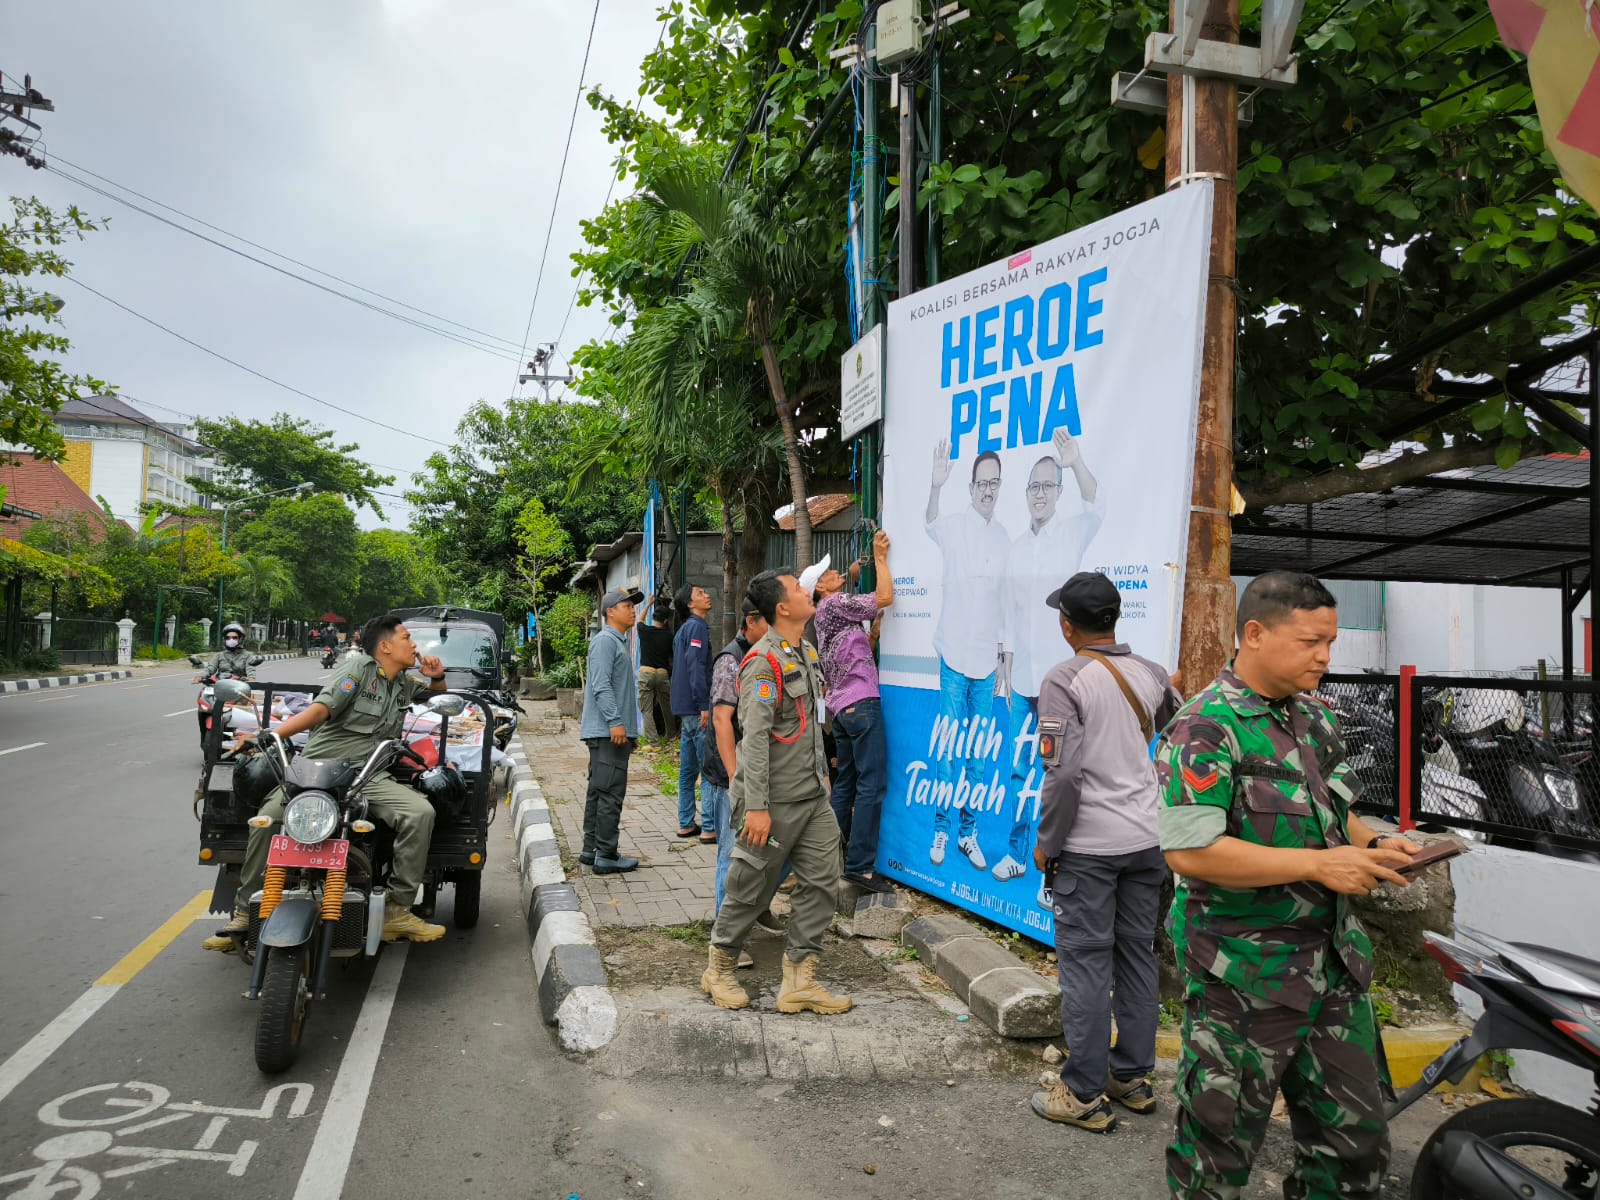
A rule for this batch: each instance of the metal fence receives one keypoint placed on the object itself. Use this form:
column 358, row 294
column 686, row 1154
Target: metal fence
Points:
column 84, row 641
column 1368, row 708
column 1516, row 760
column 841, row 543
column 1512, row 759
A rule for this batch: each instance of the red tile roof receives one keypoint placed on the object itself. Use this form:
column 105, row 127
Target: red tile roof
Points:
column 41, row 486
column 822, row 508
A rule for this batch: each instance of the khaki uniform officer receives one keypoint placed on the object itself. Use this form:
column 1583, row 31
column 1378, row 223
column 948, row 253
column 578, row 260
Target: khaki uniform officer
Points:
column 363, row 704
column 780, row 806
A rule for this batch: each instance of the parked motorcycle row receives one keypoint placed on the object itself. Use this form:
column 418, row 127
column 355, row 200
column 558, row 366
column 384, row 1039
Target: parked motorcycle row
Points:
column 1484, row 759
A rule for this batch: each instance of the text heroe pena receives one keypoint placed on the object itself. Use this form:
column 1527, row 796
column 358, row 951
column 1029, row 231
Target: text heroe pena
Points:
column 1000, row 343
column 981, row 737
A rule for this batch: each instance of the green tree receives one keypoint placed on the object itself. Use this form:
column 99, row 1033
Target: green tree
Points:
column 33, row 385
column 469, row 497
column 317, row 539
column 396, row 572
column 264, row 456
column 266, row 582
column 1402, row 182
column 544, row 547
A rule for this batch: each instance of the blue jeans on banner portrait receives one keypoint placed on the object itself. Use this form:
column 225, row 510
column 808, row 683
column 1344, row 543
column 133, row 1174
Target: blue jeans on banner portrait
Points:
column 1024, row 718
column 722, row 814
column 688, row 772
column 860, row 782
column 959, row 699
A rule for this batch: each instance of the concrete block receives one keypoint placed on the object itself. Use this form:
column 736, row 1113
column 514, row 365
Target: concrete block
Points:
column 568, row 967
column 926, row 934
column 960, row 962
column 1017, row 1003
column 587, row 1019
column 880, row 915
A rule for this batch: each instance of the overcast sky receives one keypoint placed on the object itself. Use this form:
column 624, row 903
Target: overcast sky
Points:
column 410, row 146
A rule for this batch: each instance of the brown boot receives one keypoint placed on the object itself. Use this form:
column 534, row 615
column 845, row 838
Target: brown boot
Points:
column 801, row 992
column 718, row 981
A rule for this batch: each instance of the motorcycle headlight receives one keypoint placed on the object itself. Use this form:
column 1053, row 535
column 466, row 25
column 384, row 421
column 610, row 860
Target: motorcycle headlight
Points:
column 311, row 817
column 1528, row 791
column 1564, row 788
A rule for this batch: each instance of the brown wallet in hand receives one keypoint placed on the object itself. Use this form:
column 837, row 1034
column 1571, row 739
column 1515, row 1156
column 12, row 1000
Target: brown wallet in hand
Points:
column 1428, row 855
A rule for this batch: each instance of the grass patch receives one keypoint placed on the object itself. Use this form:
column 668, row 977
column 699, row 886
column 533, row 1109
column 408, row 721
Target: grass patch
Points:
column 695, row 933
column 902, row 954
column 1171, row 1015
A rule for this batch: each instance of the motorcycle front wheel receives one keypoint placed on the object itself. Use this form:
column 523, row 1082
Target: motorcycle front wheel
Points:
column 1560, row 1144
column 285, row 1005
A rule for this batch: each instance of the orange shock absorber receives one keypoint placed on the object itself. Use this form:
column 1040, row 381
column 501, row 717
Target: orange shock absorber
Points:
column 333, row 895
column 271, row 891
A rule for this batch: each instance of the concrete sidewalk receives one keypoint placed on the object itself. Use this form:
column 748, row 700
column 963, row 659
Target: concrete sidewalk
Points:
column 675, row 880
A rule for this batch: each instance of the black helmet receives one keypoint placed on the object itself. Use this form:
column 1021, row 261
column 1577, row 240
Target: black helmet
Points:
column 253, row 780
column 445, row 790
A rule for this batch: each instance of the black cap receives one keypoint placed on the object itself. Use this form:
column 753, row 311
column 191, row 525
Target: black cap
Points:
column 1088, row 599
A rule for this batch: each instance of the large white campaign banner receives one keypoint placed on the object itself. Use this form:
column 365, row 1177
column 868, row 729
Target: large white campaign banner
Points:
column 1040, row 421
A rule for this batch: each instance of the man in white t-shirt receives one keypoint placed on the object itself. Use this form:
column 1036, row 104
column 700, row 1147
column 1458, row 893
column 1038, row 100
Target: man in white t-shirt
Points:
column 966, row 638
column 1051, row 546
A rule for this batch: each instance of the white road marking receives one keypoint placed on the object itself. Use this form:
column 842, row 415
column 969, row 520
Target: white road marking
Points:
column 29, row 746
column 52, row 1037
column 53, row 699
column 182, row 712
column 329, row 1160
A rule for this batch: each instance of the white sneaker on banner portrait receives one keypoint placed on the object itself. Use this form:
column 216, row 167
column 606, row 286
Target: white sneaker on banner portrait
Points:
column 1046, row 898
column 1008, row 868
column 936, row 855
column 969, row 846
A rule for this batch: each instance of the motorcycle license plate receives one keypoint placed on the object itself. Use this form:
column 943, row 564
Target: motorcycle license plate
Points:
column 323, row 856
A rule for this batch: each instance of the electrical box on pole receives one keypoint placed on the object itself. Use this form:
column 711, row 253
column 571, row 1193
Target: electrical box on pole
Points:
column 899, row 32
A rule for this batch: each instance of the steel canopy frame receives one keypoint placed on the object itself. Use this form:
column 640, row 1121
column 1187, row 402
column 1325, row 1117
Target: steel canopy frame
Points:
column 1535, row 525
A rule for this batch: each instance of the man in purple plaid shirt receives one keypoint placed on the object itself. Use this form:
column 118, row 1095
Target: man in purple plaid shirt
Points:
column 862, row 777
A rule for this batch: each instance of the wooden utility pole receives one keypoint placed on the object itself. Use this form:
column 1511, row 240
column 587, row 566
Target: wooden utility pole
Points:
column 1206, row 146
column 1205, row 65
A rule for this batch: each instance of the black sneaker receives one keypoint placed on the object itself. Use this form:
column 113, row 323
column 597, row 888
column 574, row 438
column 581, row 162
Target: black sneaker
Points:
column 586, row 858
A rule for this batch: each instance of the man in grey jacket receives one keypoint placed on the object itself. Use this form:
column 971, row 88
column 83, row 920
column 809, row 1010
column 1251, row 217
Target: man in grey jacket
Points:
column 1098, row 713
column 610, row 728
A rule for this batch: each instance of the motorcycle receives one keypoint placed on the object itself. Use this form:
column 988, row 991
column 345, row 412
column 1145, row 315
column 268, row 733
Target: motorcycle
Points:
column 322, row 897
column 205, row 703
column 1536, row 999
column 1522, row 777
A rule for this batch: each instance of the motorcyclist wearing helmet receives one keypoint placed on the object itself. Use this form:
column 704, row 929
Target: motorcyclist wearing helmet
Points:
column 233, row 658
column 363, row 704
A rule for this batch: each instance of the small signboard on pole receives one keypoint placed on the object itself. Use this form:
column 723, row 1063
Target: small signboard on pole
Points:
column 861, row 384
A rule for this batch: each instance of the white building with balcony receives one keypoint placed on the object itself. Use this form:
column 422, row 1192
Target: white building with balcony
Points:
column 115, row 451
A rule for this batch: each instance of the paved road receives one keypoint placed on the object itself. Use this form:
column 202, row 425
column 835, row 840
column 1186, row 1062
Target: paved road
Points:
column 126, row 1069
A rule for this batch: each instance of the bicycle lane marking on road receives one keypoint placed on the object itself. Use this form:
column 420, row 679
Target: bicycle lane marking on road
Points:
column 53, row 1036
column 335, row 1141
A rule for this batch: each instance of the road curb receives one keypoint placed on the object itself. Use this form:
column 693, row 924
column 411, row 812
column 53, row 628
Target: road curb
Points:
column 571, row 980
column 59, row 681
column 1006, row 995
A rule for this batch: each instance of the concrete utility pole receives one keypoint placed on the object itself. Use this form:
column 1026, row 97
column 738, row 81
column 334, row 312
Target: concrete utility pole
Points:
column 1205, row 64
column 539, row 370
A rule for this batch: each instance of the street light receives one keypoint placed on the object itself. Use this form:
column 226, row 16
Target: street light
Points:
column 221, row 580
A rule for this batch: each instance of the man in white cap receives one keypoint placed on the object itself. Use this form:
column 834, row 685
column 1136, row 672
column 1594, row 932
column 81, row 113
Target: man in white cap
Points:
column 610, row 728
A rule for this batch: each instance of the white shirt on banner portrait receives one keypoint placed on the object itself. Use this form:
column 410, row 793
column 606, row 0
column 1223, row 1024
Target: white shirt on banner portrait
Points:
column 1036, row 564
column 967, row 637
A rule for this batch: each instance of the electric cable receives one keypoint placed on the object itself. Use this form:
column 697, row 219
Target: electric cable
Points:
column 204, row 349
column 122, row 187
column 322, row 287
column 604, row 204
column 555, row 203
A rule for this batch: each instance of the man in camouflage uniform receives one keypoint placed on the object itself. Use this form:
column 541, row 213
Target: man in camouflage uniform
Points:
column 1257, row 822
